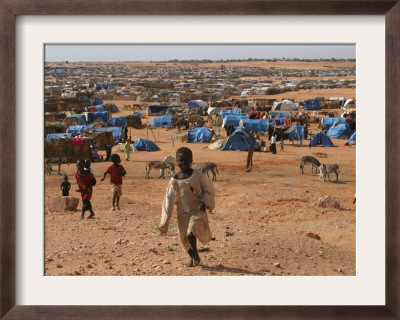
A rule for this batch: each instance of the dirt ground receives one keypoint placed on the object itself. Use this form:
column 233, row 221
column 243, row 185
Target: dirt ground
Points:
column 265, row 222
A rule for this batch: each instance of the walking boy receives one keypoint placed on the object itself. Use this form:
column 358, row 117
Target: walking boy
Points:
column 193, row 192
column 116, row 172
column 273, row 144
column 85, row 181
column 65, row 187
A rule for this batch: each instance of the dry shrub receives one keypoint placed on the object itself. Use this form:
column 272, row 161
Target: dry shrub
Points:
column 63, row 148
column 54, row 127
column 102, row 138
column 71, row 122
column 134, row 121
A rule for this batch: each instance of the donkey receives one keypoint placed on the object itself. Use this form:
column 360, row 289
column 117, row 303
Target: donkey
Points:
column 332, row 168
column 162, row 165
column 48, row 164
column 205, row 167
column 309, row 159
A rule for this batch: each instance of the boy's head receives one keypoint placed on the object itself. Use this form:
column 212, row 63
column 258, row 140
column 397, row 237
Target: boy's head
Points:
column 184, row 158
column 80, row 164
column 65, row 178
column 115, row 158
column 87, row 163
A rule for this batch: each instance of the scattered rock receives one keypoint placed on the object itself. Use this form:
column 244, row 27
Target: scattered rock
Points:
column 340, row 270
column 59, row 265
column 121, row 241
column 106, row 261
column 133, row 263
column 277, row 264
column 62, row 203
column 89, row 266
column 166, row 262
column 313, row 235
column 329, row 202
column 137, row 270
column 77, row 273
column 119, row 255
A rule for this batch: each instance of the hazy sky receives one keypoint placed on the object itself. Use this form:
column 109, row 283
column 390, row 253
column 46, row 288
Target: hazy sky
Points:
column 96, row 52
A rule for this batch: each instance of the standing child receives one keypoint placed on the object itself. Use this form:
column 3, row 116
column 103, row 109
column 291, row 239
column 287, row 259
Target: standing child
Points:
column 127, row 148
column 116, row 172
column 65, row 186
column 193, row 192
column 85, row 181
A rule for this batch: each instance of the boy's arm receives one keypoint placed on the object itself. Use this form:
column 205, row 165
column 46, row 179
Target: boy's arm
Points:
column 208, row 193
column 92, row 182
column 102, row 179
column 167, row 207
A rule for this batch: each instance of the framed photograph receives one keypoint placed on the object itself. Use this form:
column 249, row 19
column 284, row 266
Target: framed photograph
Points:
column 40, row 284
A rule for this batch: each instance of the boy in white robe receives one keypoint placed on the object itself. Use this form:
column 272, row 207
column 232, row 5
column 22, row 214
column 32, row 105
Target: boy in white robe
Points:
column 192, row 192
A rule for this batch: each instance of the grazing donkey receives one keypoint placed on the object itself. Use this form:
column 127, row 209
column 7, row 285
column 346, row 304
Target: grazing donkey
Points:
column 309, row 159
column 205, row 167
column 48, row 164
column 322, row 173
column 162, row 165
column 332, row 168
column 171, row 161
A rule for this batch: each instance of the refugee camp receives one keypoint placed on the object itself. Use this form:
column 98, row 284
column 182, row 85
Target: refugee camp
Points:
column 201, row 167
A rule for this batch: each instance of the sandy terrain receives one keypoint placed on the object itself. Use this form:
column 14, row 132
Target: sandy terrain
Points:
column 262, row 224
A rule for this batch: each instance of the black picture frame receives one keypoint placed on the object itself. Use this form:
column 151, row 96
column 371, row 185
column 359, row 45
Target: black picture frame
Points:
column 10, row 9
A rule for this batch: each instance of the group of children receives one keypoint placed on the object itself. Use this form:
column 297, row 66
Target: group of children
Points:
column 85, row 180
column 189, row 189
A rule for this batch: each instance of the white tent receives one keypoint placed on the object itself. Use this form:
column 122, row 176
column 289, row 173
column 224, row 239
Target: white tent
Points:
column 197, row 104
column 285, row 105
column 350, row 103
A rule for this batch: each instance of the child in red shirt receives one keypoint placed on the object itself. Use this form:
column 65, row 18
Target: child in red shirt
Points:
column 85, row 181
column 116, row 172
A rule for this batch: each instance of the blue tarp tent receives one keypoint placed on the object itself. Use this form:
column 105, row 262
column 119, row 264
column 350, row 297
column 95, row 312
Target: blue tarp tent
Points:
column 78, row 129
column 157, row 109
column 117, row 122
column 321, row 139
column 239, row 140
column 145, row 145
column 312, row 104
column 116, row 132
column 233, row 120
column 98, row 107
column 97, row 101
column 56, row 136
column 114, row 107
column 80, row 118
column 256, row 125
column 231, row 112
column 103, row 115
column 353, row 137
column 197, row 104
column 138, row 113
column 328, row 122
column 201, row 134
column 297, row 133
column 341, row 131
column 163, row 121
